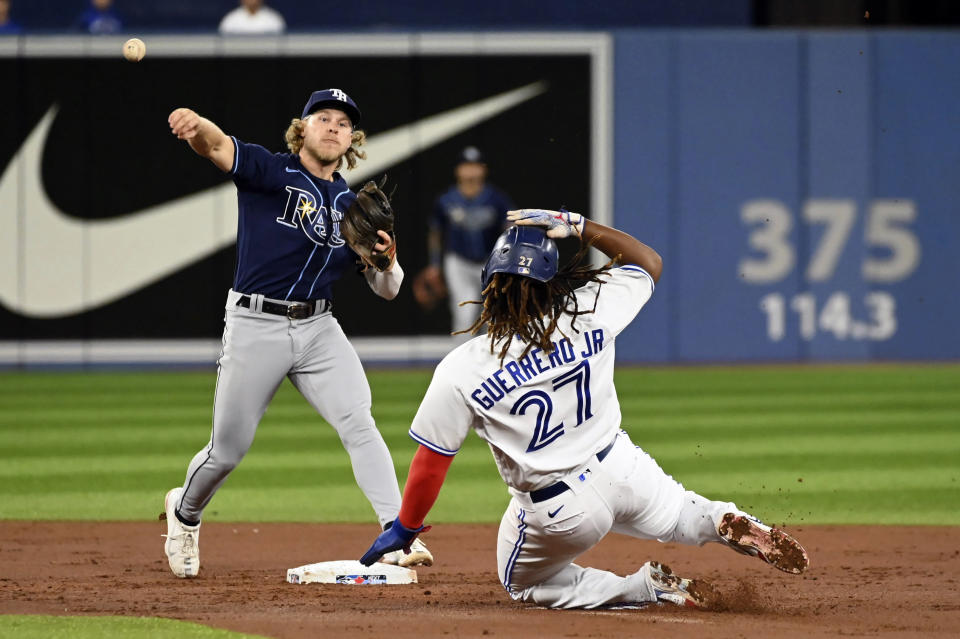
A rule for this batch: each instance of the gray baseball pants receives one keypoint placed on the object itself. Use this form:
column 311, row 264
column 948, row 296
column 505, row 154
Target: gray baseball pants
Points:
column 259, row 350
column 463, row 283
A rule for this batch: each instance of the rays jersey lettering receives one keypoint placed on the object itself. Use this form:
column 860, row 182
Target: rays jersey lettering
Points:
column 319, row 225
column 288, row 237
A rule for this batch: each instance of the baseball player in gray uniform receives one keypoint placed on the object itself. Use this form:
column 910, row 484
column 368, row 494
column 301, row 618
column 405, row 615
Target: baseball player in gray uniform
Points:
column 538, row 388
column 278, row 320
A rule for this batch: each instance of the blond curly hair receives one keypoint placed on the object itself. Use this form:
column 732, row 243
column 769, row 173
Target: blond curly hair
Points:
column 294, row 139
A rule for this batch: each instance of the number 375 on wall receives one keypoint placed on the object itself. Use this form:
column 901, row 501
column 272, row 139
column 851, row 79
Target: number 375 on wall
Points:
column 892, row 255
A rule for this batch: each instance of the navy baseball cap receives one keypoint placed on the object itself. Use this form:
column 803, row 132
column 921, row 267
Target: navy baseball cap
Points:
column 333, row 99
column 470, row 154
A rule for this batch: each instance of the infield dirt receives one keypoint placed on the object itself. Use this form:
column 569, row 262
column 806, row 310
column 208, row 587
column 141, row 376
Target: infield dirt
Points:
column 863, row 581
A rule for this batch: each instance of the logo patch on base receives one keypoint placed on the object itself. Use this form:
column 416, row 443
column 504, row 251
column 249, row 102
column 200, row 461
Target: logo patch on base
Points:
column 362, row 580
column 351, row 573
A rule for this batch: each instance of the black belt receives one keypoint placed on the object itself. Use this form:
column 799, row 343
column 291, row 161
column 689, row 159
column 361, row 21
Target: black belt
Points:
column 293, row 310
column 543, row 494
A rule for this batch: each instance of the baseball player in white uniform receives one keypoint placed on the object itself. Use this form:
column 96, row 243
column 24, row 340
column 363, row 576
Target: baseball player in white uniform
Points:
column 538, row 388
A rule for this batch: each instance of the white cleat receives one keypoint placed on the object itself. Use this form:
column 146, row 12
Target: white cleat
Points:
column 418, row 556
column 183, row 542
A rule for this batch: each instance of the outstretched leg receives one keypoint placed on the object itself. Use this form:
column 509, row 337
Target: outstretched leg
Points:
column 329, row 375
column 655, row 506
column 255, row 357
column 702, row 520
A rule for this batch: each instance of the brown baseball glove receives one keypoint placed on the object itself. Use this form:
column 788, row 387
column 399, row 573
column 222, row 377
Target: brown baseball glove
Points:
column 429, row 288
column 371, row 212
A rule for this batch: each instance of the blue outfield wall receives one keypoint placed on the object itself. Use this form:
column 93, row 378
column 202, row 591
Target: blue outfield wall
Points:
column 802, row 188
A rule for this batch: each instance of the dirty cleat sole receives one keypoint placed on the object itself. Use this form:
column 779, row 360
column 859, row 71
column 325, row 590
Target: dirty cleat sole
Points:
column 751, row 537
column 671, row 588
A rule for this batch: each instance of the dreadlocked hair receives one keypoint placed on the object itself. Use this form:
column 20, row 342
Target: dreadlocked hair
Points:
column 518, row 306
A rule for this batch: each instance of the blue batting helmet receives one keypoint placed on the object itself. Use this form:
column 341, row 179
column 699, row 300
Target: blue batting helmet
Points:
column 522, row 250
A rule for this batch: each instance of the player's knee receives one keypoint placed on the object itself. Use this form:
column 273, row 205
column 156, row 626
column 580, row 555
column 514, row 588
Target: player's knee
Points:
column 357, row 429
column 226, row 458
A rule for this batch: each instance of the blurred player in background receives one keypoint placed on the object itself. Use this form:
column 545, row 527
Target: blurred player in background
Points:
column 466, row 222
column 539, row 389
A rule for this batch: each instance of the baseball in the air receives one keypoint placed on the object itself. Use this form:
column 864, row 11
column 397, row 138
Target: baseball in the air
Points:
column 134, row 49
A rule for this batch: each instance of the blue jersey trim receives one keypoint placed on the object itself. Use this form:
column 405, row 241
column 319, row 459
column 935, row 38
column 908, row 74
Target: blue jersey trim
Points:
column 432, row 446
column 334, row 205
column 508, row 569
column 327, row 261
column 309, row 181
column 319, row 211
column 330, row 253
column 635, row 268
column 236, row 155
column 301, row 271
column 241, row 238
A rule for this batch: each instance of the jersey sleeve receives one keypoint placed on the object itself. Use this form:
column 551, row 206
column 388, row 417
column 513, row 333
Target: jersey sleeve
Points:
column 444, row 418
column 254, row 167
column 625, row 290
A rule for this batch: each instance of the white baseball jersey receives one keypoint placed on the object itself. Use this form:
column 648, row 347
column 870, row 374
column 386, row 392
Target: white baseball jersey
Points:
column 543, row 414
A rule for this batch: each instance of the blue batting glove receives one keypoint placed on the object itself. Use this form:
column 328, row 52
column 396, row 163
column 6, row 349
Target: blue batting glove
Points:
column 558, row 224
column 395, row 537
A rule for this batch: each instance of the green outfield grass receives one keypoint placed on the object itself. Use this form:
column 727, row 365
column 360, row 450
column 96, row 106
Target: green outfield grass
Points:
column 842, row 444
column 49, row 627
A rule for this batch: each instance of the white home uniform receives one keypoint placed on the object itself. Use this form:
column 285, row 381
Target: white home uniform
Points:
column 552, row 421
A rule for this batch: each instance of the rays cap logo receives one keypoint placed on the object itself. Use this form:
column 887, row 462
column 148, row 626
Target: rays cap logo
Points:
column 333, row 99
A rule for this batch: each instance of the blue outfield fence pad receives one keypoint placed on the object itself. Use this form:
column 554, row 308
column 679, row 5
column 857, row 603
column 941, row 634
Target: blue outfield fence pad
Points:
column 800, row 185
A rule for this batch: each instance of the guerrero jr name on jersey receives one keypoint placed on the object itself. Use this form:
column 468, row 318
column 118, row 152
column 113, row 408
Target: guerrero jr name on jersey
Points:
column 532, row 365
column 543, row 414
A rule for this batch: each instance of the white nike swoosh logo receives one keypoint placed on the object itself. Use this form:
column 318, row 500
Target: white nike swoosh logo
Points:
column 53, row 265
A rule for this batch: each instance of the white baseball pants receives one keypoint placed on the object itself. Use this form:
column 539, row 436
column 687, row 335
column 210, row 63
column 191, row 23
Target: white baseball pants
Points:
column 626, row 493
